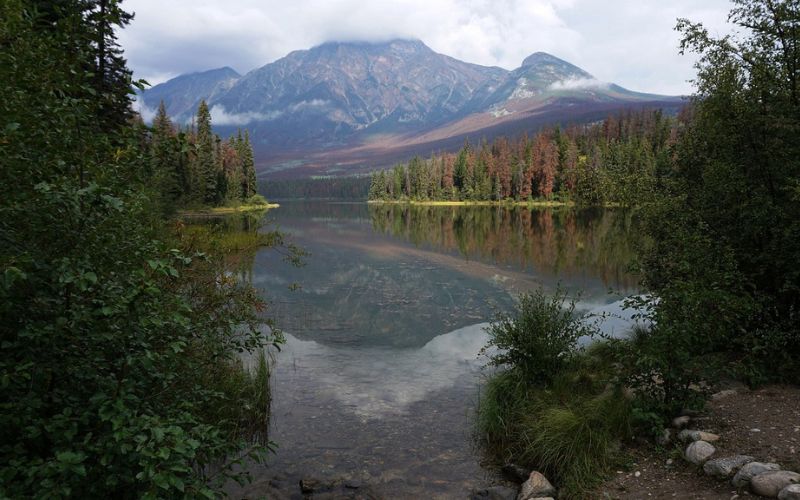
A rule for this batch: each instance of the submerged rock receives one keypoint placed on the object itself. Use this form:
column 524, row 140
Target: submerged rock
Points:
column 501, row 493
column 725, row 467
column 537, row 486
column 698, row 452
column 750, row 470
column 769, row 484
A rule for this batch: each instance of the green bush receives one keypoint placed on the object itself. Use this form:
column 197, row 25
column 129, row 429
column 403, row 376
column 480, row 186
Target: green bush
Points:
column 256, row 199
column 540, row 339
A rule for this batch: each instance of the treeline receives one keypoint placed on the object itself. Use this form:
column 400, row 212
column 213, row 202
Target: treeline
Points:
column 193, row 166
column 616, row 160
column 322, row 188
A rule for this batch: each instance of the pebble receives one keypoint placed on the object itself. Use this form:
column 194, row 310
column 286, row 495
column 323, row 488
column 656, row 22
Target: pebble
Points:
column 637, row 474
column 679, row 422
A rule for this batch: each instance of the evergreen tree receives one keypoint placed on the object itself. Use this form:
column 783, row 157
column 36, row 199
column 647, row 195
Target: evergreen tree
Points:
column 206, row 164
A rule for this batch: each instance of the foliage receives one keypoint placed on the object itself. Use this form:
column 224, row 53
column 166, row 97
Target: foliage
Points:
column 614, row 161
column 540, row 340
column 725, row 226
column 195, row 167
column 120, row 339
column 570, row 430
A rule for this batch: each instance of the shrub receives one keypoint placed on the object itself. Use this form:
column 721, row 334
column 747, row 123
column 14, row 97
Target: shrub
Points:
column 540, row 340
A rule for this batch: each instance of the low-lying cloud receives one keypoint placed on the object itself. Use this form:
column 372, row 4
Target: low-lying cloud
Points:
column 578, row 84
column 220, row 116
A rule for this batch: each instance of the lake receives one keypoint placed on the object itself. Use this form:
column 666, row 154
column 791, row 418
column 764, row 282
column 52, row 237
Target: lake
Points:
column 379, row 379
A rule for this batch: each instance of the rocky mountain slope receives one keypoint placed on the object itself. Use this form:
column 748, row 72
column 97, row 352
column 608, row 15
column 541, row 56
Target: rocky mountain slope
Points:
column 341, row 107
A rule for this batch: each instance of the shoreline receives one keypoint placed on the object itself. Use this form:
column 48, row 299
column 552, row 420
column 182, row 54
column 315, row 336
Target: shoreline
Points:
column 443, row 203
column 227, row 210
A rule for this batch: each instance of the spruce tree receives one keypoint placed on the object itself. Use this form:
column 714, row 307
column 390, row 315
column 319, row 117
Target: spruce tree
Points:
column 248, row 167
column 206, row 166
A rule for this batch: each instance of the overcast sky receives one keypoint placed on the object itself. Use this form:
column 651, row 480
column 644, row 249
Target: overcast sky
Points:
column 628, row 42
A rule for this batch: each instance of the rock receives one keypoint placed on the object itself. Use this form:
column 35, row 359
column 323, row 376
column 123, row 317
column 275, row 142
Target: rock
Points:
column 353, row 484
column 791, row 492
column 770, row 483
column 724, row 468
column 698, row 452
column 536, row 486
column 681, row 422
column 723, row 394
column 693, row 435
column 308, row 486
column 501, row 493
column 665, row 437
column 750, row 470
column 515, row 472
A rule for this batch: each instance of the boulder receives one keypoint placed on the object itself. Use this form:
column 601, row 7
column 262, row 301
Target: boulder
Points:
column 750, row 470
column 791, row 492
column 726, row 467
column 770, row 483
column 693, row 435
column 681, row 422
column 698, row 452
column 537, row 486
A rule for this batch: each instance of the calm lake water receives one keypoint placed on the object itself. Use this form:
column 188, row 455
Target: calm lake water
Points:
column 380, row 375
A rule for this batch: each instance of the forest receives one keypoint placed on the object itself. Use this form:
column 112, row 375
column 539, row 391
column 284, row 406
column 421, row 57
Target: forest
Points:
column 617, row 160
column 194, row 167
column 121, row 328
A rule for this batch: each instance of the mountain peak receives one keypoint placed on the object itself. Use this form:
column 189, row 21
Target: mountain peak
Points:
column 542, row 58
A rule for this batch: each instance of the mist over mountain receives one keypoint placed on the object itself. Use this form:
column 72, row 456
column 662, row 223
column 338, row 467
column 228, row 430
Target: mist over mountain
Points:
column 342, row 107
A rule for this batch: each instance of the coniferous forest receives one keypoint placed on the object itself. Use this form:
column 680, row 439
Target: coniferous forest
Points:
column 195, row 167
column 617, row 160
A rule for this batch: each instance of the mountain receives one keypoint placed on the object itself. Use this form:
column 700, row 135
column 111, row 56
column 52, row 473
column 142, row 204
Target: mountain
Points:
column 183, row 94
column 346, row 106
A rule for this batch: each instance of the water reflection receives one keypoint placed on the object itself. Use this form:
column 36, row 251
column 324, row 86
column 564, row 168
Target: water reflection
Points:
column 380, row 371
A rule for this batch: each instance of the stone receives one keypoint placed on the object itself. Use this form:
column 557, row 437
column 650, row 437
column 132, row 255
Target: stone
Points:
column 723, row 394
column 501, row 493
column 726, row 467
column 748, row 471
column 308, row 486
column 681, row 422
column 353, row 484
column 698, row 452
column 516, row 473
column 770, row 483
column 791, row 492
column 536, row 486
column 693, row 435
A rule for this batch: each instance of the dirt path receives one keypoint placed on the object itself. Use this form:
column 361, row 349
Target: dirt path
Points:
column 764, row 423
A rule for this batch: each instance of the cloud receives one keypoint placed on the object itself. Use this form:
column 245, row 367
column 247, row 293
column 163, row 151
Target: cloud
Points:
column 629, row 42
column 578, row 83
column 219, row 116
column 146, row 112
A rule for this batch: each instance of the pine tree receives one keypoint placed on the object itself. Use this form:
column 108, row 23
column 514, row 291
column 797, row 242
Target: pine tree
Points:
column 245, row 150
column 206, row 166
